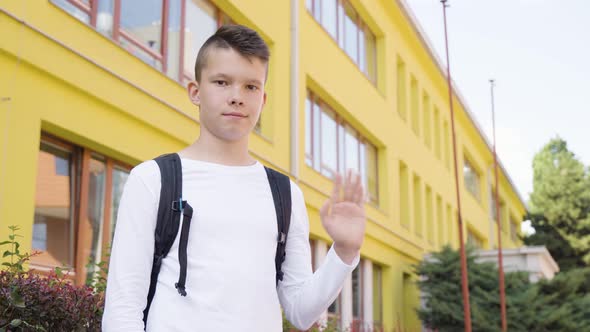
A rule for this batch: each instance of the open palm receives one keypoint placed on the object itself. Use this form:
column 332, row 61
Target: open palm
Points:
column 343, row 214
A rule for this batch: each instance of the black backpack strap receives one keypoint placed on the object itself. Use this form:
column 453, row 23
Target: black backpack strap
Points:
column 280, row 186
column 187, row 212
column 170, row 208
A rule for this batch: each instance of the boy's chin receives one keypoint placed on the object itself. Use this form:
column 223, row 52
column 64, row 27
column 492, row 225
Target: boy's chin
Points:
column 234, row 137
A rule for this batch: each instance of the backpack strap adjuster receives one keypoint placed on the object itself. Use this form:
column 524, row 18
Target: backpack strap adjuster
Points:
column 178, row 205
column 282, row 238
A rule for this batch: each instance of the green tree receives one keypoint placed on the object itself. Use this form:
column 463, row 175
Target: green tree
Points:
column 440, row 285
column 560, row 205
column 560, row 304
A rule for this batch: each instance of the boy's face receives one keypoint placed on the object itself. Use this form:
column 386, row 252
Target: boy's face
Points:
column 230, row 94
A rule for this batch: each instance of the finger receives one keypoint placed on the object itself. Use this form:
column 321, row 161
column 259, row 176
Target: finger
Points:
column 357, row 185
column 336, row 197
column 359, row 192
column 348, row 186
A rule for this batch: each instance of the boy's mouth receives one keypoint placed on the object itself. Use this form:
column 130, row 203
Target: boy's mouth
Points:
column 234, row 114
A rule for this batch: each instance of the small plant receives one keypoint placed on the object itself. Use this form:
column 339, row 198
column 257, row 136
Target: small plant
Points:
column 16, row 258
column 331, row 325
column 31, row 302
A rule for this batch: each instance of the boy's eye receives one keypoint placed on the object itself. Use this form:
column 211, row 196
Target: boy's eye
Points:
column 220, row 82
column 252, row 87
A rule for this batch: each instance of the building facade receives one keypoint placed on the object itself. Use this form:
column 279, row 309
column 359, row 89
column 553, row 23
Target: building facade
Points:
column 90, row 88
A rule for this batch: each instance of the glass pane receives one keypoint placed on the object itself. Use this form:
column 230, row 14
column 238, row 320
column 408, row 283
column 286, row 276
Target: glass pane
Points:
column 363, row 165
column 370, row 49
column 143, row 20
column 471, row 179
column 350, row 33
column 351, row 149
column 340, row 25
column 52, row 226
column 334, row 308
column 372, row 188
column 173, row 43
column 328, row 143
column 143, row 55
column 119, row 179
column 341, row 152
column 200, row 25
column 356, row 292
column 317, row 10
column 493, row 204
column 104, row 17
column 377, row 303
column 316, row 136
column 308, row 152
column 96, row 193
column 329, row 16
column 73, row 10
column 362, row 52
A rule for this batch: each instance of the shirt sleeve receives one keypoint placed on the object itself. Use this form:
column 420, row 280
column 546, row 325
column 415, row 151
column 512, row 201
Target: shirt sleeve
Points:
column 131, row 255
column 305, row 295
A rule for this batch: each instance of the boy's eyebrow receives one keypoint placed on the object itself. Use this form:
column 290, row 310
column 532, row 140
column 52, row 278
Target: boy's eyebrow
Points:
column 255, row 81
column 220, row 75
column 228, row 77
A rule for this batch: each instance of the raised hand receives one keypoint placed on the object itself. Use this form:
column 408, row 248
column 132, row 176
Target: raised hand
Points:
column 343, row 216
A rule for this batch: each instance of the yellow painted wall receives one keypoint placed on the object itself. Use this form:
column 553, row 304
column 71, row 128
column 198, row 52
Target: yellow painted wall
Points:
column 60, row 76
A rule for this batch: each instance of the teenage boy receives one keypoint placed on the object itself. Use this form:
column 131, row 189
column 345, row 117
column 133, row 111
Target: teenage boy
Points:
column 230, row 279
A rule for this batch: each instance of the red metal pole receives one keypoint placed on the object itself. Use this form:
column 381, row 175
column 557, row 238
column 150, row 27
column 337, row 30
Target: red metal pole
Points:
column 464, row 279
column 498, row 221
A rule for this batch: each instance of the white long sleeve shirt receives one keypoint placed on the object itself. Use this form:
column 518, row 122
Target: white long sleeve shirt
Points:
column 231, row 252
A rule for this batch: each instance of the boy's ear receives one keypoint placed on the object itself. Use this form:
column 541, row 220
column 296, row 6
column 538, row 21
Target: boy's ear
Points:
column 193, row 92
column 264, row 99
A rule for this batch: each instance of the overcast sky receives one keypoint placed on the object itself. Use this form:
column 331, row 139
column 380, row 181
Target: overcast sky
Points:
column 538, row 51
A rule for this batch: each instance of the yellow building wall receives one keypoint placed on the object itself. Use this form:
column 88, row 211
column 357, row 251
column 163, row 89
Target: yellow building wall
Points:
column 61, row 77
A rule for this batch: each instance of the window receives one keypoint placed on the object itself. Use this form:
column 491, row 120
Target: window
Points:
column 493, row 206
column 474, row 240
column 53, row 225
column 332, row 145
column 401, row 89
column 76, row 204
column 451, row 222
column 417, row 205
column 357, row 294
column 201, row 20
column 471, row 178
column 342, row 22
column 447, row 139
column 79, row 9
column 437, row 137
column 166, row 34
column 404, row 195
column 429, row 215
column 414, row 105
column 514, row 229
column 439, row 220
column 427, row 121
column 377, row 298
column 335, row 309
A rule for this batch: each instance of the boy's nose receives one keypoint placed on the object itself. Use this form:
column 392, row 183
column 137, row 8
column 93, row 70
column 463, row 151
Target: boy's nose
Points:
column 235, row 101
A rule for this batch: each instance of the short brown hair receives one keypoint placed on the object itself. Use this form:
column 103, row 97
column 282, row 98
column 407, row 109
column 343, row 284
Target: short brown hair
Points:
column 242, row 39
